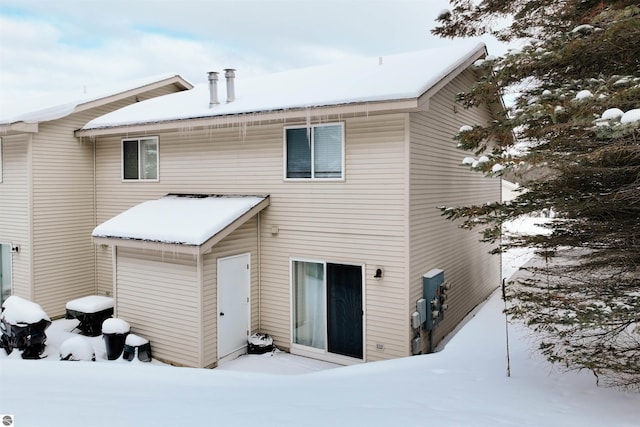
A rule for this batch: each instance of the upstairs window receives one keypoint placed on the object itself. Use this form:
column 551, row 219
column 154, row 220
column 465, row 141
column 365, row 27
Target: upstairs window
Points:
column 140, row 159
column 315, row 152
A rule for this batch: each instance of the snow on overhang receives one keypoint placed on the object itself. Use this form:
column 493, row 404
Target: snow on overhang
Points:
column 189, row 223
column 138, row 90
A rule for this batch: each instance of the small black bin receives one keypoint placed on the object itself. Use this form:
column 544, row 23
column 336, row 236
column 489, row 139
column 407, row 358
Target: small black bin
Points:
column 90, row 323
column 114, row 343
column 28, row 337
column 114, row 334
column 259, row 343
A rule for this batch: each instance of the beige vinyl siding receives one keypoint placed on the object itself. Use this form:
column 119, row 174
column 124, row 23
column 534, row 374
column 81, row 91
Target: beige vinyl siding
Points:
column 63, row 215
column 15, row 209
column 63, row 210
column 158, row 294
column 437, row 179
column 359, row 220
column 243, row 240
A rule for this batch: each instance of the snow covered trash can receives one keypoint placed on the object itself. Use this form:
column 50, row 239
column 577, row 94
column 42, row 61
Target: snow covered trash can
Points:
column 260, row 343
column 91, row 311
column 136, row 344
column 23, row 324
column 114, row 334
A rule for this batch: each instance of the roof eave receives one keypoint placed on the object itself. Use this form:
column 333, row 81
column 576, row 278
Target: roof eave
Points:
column 174, row 84
column 17, row 128
column 257, row 117
column 479, row 52
column 146, row 245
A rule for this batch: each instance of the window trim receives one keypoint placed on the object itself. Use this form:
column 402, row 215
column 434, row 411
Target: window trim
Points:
column 138, row 140
column 324, row 354
column 310, row 128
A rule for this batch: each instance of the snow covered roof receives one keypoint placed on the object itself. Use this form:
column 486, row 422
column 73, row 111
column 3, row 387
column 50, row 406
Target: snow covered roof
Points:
column 192, row 223
column 42, row 110
column 395, row 77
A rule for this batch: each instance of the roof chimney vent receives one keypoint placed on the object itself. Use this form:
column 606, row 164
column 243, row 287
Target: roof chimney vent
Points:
column 230, row 74
column 213, row 88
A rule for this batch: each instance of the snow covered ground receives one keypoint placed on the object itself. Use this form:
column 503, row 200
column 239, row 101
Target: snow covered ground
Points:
column 463, row 385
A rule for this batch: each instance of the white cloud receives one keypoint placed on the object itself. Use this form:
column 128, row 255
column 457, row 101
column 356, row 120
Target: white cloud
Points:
column 64, row 45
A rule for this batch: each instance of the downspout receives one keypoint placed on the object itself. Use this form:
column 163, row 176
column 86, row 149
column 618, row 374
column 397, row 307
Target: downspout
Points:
column 95, row 218
column 259, row 249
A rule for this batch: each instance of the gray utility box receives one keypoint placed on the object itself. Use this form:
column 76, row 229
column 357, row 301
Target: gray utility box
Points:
column 435, row 294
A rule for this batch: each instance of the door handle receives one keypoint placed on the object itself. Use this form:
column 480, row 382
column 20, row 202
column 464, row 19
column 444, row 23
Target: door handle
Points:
column 221, row 313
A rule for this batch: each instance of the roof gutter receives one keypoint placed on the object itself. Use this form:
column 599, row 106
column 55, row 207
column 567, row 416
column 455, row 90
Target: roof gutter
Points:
column 258, row 117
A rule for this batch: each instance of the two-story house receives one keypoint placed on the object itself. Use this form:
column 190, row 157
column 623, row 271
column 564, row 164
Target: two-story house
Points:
column 302, row 204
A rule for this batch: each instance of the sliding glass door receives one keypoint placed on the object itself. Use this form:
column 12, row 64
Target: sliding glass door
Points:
column 5, row 272
column 327, row 307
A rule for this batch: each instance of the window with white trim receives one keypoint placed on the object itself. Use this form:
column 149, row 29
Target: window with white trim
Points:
column 314, row 152
column 140, row 159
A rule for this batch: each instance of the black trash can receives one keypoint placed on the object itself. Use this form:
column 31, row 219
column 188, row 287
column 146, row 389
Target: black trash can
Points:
column 28, row 337
column 259, row 343
column 114, row 334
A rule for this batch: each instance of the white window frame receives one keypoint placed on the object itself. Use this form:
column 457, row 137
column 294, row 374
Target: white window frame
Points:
column 122, row 159
column 324, row 354
column 309, row 129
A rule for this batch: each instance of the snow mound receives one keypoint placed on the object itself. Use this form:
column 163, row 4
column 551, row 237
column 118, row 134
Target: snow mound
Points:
column 90, row 304
column 115, row 326
column 497, row 168
column 444, row 14
column 135, row 340
column 468, row 161
column 583, row 29
column 631, row 116
column 260, row 340
column 465, row 128
column 77, row 348
column 17, row 310
column 583, row 94
column 612, row 114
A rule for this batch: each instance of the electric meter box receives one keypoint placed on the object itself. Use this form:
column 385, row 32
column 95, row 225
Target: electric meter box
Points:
column 432, row 283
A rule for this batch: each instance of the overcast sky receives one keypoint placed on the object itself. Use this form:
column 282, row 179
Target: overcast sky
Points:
column 50, row 46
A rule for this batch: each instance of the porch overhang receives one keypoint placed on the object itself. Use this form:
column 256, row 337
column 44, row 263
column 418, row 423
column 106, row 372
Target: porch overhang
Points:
column 185, row 223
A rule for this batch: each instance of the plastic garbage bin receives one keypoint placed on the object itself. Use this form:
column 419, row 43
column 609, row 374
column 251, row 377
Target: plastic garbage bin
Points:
column 114, row 334
column 259, row 343
column 23, row 324
column 135, row 344
column 28, row 337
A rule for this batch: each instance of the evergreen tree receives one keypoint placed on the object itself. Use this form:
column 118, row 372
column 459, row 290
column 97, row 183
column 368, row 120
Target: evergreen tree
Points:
column 571, row 135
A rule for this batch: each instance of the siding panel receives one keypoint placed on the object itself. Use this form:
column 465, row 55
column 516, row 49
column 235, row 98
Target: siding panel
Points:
column 157, row 293
column 437, row 178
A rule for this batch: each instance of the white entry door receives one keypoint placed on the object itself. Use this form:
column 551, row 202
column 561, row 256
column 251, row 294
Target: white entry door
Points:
column 234, row 283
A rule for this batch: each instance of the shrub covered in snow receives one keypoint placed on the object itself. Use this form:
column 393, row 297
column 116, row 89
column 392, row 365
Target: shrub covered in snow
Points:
column 77, row 348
